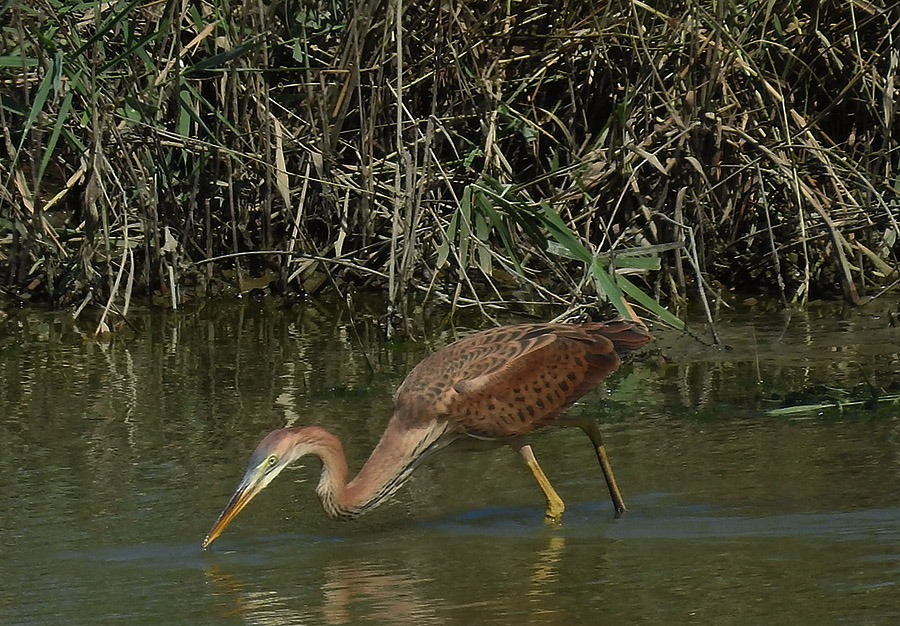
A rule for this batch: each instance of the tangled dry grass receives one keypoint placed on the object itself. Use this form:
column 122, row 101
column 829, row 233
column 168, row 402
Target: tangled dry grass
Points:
column 476, row 153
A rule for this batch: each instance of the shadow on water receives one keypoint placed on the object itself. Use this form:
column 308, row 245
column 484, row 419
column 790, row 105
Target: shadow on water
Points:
column 654, row 521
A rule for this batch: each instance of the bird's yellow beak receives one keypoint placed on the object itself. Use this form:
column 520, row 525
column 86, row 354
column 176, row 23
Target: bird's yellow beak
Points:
column 249, row 487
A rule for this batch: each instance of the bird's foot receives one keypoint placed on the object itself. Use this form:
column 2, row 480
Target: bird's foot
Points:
column 553, row 516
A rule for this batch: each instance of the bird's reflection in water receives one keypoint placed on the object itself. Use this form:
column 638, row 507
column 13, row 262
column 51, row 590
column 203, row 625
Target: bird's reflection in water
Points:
column 357, row 591
column 353, row 591
column 546, row 572
column 359, row 588
column 255, row 607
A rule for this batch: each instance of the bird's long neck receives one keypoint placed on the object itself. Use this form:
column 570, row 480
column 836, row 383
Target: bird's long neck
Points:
column 332, row 487
column 395, row 456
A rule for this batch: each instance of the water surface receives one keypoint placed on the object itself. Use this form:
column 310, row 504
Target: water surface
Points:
column 119, row 453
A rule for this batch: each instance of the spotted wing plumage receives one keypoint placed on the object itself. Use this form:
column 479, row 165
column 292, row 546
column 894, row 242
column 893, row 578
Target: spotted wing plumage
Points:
column 509, row 381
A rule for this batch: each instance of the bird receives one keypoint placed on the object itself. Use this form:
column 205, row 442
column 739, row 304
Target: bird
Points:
column 492, row 387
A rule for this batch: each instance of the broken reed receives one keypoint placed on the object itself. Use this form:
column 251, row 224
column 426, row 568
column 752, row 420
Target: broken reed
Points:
column 461, row 152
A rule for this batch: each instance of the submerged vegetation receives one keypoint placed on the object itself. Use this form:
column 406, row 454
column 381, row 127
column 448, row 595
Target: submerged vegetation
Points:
column 473, row 153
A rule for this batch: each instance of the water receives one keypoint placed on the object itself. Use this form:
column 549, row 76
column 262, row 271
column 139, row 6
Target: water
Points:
column 117, row 455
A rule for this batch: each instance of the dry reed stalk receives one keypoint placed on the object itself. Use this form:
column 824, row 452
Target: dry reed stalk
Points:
column 781, row 121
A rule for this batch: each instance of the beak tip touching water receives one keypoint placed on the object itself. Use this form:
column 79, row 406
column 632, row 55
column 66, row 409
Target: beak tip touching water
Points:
column 238, row 501
column 211, row 536
column 227, row 515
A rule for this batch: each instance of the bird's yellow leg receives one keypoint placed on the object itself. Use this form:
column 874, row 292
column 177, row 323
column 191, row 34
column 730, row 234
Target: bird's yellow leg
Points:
column 592, row 430
column 555, row 505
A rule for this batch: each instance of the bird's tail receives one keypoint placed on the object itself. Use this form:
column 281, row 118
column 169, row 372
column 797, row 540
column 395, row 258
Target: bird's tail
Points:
column 624, row 334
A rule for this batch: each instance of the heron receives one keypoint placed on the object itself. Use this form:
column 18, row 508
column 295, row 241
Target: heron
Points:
column 495, row 386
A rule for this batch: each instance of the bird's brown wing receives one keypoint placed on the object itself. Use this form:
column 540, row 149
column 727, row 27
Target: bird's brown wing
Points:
column 510, row 380
column 548, row 373
column 428, row 391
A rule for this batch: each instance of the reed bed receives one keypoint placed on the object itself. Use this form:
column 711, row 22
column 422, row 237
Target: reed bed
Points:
column 473, row 153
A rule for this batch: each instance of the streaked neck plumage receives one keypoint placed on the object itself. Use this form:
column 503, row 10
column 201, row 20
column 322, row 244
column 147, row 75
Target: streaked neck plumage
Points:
column 396, row 455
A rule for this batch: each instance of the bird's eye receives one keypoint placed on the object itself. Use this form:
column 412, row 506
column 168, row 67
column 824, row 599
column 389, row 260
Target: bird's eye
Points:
column 272, row 460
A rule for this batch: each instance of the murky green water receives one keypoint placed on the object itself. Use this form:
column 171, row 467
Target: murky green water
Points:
column 116, row 456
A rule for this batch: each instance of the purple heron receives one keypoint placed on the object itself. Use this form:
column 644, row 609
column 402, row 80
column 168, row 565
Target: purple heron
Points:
column 496, row 385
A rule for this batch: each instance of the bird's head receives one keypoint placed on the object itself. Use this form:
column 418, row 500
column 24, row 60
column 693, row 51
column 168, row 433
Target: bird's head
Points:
column 276, row 451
